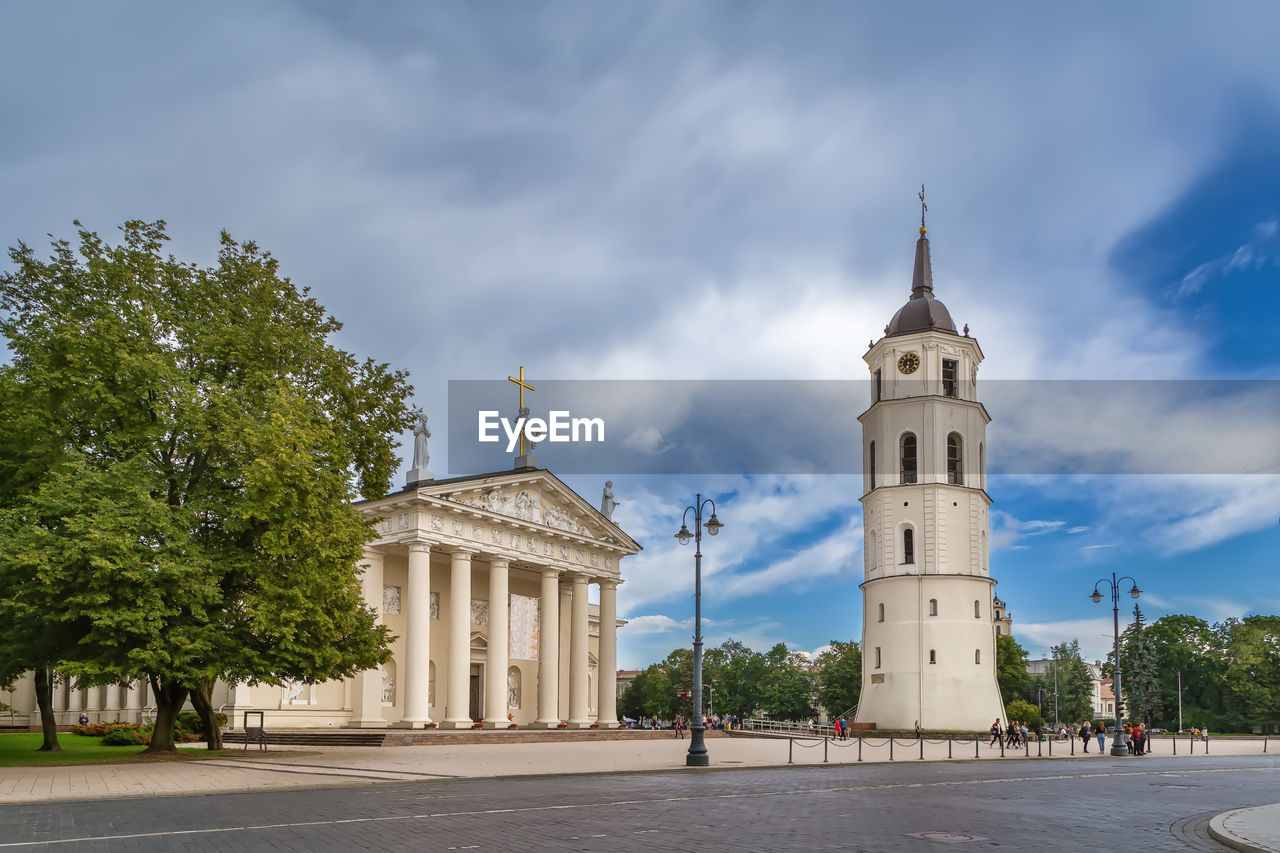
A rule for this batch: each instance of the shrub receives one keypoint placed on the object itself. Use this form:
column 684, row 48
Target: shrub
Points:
column 122, row 736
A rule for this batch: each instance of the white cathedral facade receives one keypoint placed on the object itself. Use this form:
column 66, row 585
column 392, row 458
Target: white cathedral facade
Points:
column 928, row 641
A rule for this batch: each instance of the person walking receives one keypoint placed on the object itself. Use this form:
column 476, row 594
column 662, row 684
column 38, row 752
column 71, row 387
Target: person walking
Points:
column 1102, row 737
column 917, row 730
column 1084, row 735
column 995, row 733
column 679, row 727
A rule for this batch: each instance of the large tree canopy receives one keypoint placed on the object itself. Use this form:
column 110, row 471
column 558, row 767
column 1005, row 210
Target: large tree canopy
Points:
column 181, row 447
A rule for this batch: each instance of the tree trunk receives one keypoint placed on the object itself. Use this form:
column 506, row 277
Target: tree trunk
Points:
column 200, row 698
column 44, row 701
column 170, row 697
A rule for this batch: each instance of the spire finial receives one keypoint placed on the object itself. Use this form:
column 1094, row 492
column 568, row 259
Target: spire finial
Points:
column 923, row 208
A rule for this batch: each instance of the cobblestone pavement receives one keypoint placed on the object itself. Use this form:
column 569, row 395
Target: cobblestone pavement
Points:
column 1157, row 804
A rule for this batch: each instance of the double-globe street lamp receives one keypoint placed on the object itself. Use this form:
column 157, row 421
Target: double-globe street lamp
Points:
column 697, row 756
column 1117, row 740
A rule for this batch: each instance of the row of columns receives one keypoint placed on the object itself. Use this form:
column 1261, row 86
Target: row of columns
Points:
column 552, row 658
column 98, row 702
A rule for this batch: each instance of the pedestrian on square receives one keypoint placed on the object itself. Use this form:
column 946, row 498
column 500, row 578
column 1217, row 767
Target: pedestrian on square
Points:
column 917, row 730
column 1025, row 731
column 679, row 727
column 995, row 733
column 1084, row 735
column 1102, row 736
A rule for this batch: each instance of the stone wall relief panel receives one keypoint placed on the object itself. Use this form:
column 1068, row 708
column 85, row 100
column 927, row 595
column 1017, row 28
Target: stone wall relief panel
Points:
column 513, row 688
column 529, row 505
column 391, row 600
column 522, row 619
column 479, row 612
column 435, row 606
column 437, row 524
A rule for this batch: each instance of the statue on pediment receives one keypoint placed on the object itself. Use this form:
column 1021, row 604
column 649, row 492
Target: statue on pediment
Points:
column 421, row 458
column 607, row 503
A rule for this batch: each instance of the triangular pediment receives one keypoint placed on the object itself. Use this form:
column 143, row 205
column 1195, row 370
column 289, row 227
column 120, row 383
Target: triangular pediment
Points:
column 532, row 497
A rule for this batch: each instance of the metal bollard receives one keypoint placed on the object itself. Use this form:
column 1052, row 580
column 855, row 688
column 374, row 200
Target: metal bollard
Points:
column 1027, row 747
column 1002, row 747
column 891, row 747
column 1040, row 747
column 1073, row 745
column 922, row 749
column 859, row 747
column 1264, row 746
column 791, row 742
column 1206, row 744
column 975, row 748
column 1193, row 745
column 1175, row 744
column 1051, row 747
column 824, row 750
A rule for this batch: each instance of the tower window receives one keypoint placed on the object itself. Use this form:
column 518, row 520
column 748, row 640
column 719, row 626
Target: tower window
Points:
column 879, row 386
column 909, row 458
column 998, row 631
column 997, row 615
column 881, row 619
column 977, row 609
column 877, row 657
column 871, row 462
column 908, row 545
column 955, row 458
column 950, row 369
column 977, row 656
column 933, row 656
column 933, row 607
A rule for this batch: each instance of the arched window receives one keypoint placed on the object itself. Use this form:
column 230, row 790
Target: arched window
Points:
column 908, row 545
column 977, row 609
column 997, row 615
column 998, row 631
column 908, row 458
column 933, row 607
column 955, row 458
column 933, row 656
column 871, row 462
column 977, row 656
column 877, row 657
column 881, row 619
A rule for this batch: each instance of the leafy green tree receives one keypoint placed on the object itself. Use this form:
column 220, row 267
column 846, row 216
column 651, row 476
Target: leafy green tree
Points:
column 1011, row 670
column 177, row 489
column 839, row 677
column 738, row 676
column 789, row 691
column 1024, row 712
column 1187, row 650
column 650, row 695
column 1251, row 652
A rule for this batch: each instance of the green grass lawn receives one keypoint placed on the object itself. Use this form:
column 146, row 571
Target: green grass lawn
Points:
column 20, row 750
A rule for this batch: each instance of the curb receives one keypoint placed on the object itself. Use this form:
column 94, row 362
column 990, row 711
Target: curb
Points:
column 1218, row 830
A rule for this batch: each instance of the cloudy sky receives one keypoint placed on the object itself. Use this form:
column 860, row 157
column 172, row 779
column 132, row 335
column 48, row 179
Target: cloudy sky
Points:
column 667, row 191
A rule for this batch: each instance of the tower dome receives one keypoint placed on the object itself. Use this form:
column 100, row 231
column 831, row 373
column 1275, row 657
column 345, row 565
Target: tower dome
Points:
column 922, row 312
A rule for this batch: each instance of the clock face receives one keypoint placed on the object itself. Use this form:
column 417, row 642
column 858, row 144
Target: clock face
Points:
column 909, row 362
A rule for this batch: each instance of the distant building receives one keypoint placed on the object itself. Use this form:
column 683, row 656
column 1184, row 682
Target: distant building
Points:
column 1102, row 699
column 1001, row 616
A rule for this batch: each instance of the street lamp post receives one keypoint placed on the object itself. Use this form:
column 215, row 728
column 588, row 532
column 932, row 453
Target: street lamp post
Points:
column 1117, row 741
column 697, row 756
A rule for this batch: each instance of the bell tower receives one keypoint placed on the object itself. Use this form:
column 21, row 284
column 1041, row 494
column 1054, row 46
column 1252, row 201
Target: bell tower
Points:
column 928, row 639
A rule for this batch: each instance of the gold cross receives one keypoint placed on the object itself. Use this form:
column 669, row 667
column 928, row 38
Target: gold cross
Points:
column 523, row 385
column 923, row 208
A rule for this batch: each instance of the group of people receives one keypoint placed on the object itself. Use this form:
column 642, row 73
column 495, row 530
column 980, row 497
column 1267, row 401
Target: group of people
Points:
column 1014, row 734
column 841, row 726
column 728, row 722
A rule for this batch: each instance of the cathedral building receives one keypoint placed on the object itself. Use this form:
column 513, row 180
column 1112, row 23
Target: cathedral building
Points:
column 928, row 641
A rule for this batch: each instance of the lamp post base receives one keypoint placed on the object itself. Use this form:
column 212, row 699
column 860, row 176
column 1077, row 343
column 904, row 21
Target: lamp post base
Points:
column 1118, row 748
column 697, row 756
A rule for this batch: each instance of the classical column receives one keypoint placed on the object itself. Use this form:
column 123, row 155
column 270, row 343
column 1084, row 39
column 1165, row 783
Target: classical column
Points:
column 549, row 651
column 578, row 661
column 366, row 695
column 495, row 675
column 417, row 642
column 566, row 607
column 112, row 703
column 607, row 671
column 75, row 703
column 59, row 698
column 458, row 707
